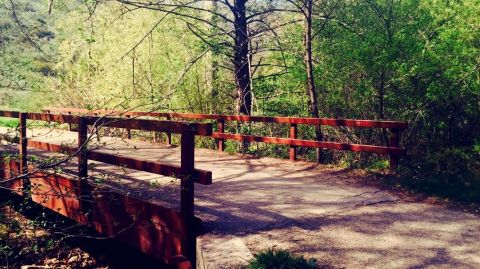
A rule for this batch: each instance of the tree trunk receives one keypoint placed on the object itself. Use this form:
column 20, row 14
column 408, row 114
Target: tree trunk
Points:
column 311, row 89
column 242, row 65
column 241, row 61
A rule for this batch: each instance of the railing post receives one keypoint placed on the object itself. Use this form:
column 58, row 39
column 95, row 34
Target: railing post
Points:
column 22, row 148
column 47, row 112
column 129, row 132
column 319, row 137
column 394, row 141
column 69, row 124
column 169, row 135
column 221, row 129
column 82, row 130
column 82, row 147
column 293, row 135
column 187, row 191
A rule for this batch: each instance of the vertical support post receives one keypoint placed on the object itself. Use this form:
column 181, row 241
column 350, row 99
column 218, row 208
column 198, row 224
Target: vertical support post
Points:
column 47, row 112
column 293, row 135
column 221, row 129
column 69, row 124
column 82, row 155
column 95, row 128
column 394, row 141
column 169, row 135
column 129, row 132
column 187, row 190
column 319, row 137
column 22, row 148
column 82, row 130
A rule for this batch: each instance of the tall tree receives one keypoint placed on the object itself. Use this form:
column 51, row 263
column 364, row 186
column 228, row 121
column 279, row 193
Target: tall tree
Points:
column 237, row 23
column 311, row 13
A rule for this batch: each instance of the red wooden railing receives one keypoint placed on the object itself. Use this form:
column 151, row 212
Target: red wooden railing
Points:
column 169, row 235
column 393, row 150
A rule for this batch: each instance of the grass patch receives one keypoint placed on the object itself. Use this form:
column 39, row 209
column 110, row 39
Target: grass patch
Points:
column 8, row 122
column 282, row 259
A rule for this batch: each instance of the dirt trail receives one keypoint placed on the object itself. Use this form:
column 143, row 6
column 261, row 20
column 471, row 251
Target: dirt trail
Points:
column 318, row 212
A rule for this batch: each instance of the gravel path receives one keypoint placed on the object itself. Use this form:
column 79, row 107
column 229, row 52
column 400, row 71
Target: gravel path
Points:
column 315, row 211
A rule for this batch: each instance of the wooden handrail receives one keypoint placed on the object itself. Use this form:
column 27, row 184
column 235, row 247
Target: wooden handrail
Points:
column 392, row 149
column 312, row 144
column 200, row 176
column 295, row 120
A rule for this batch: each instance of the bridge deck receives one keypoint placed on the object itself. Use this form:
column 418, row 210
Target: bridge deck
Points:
column 316, row 211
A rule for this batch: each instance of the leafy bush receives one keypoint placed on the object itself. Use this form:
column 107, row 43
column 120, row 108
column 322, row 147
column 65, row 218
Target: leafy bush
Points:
column 10, row 123
column 450, row 172
column 280, row 259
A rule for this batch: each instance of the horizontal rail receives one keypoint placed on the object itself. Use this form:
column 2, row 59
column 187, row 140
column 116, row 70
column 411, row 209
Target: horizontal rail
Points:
column 200, row 176
column 393, row 149
column 204, row 129
column 170, row 170
column 311, row 143
column 147, row 125
column 293, row 120
column 9, row 114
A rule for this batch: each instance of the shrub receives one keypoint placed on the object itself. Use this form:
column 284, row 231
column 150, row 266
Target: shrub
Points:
column 450, row 172
column 280, row 259
column 10, row 123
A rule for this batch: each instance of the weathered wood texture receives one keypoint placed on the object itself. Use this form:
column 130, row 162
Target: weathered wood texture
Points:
column 392, row 149
column 297, row 120
column 153, row 229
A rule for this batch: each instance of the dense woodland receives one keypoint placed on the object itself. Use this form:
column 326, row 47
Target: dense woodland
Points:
column 411, row 60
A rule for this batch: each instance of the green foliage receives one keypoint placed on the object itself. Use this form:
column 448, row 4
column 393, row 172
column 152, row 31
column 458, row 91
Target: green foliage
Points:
column 111, row 60
column 450, row 172
column 401, row 60
column 10, row 123
column 280, row 259
column 26, row 53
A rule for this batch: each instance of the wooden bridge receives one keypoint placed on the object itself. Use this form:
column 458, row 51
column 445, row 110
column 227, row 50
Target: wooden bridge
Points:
column 145, row 211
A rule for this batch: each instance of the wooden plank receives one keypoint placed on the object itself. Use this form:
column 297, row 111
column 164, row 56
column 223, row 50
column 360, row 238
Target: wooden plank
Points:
column 244, row 118
column 82, row 164
column 151, row 125
column 170, row 170
column 221, row 129
column 311, row 143
column 153, row 229
column 50, row 147
column 187, row 193
column 296, row 120
column 10, row 169
column 9, row 114
column 391, row 150
column 22, row 149
column 82, row 149
column 293, row 135
column 200, row 176
column 59, row 194
column 53, row 117
column 128, row 123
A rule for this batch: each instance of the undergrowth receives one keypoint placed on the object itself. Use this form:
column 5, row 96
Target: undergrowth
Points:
column 10, row 123
column 282, row 259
